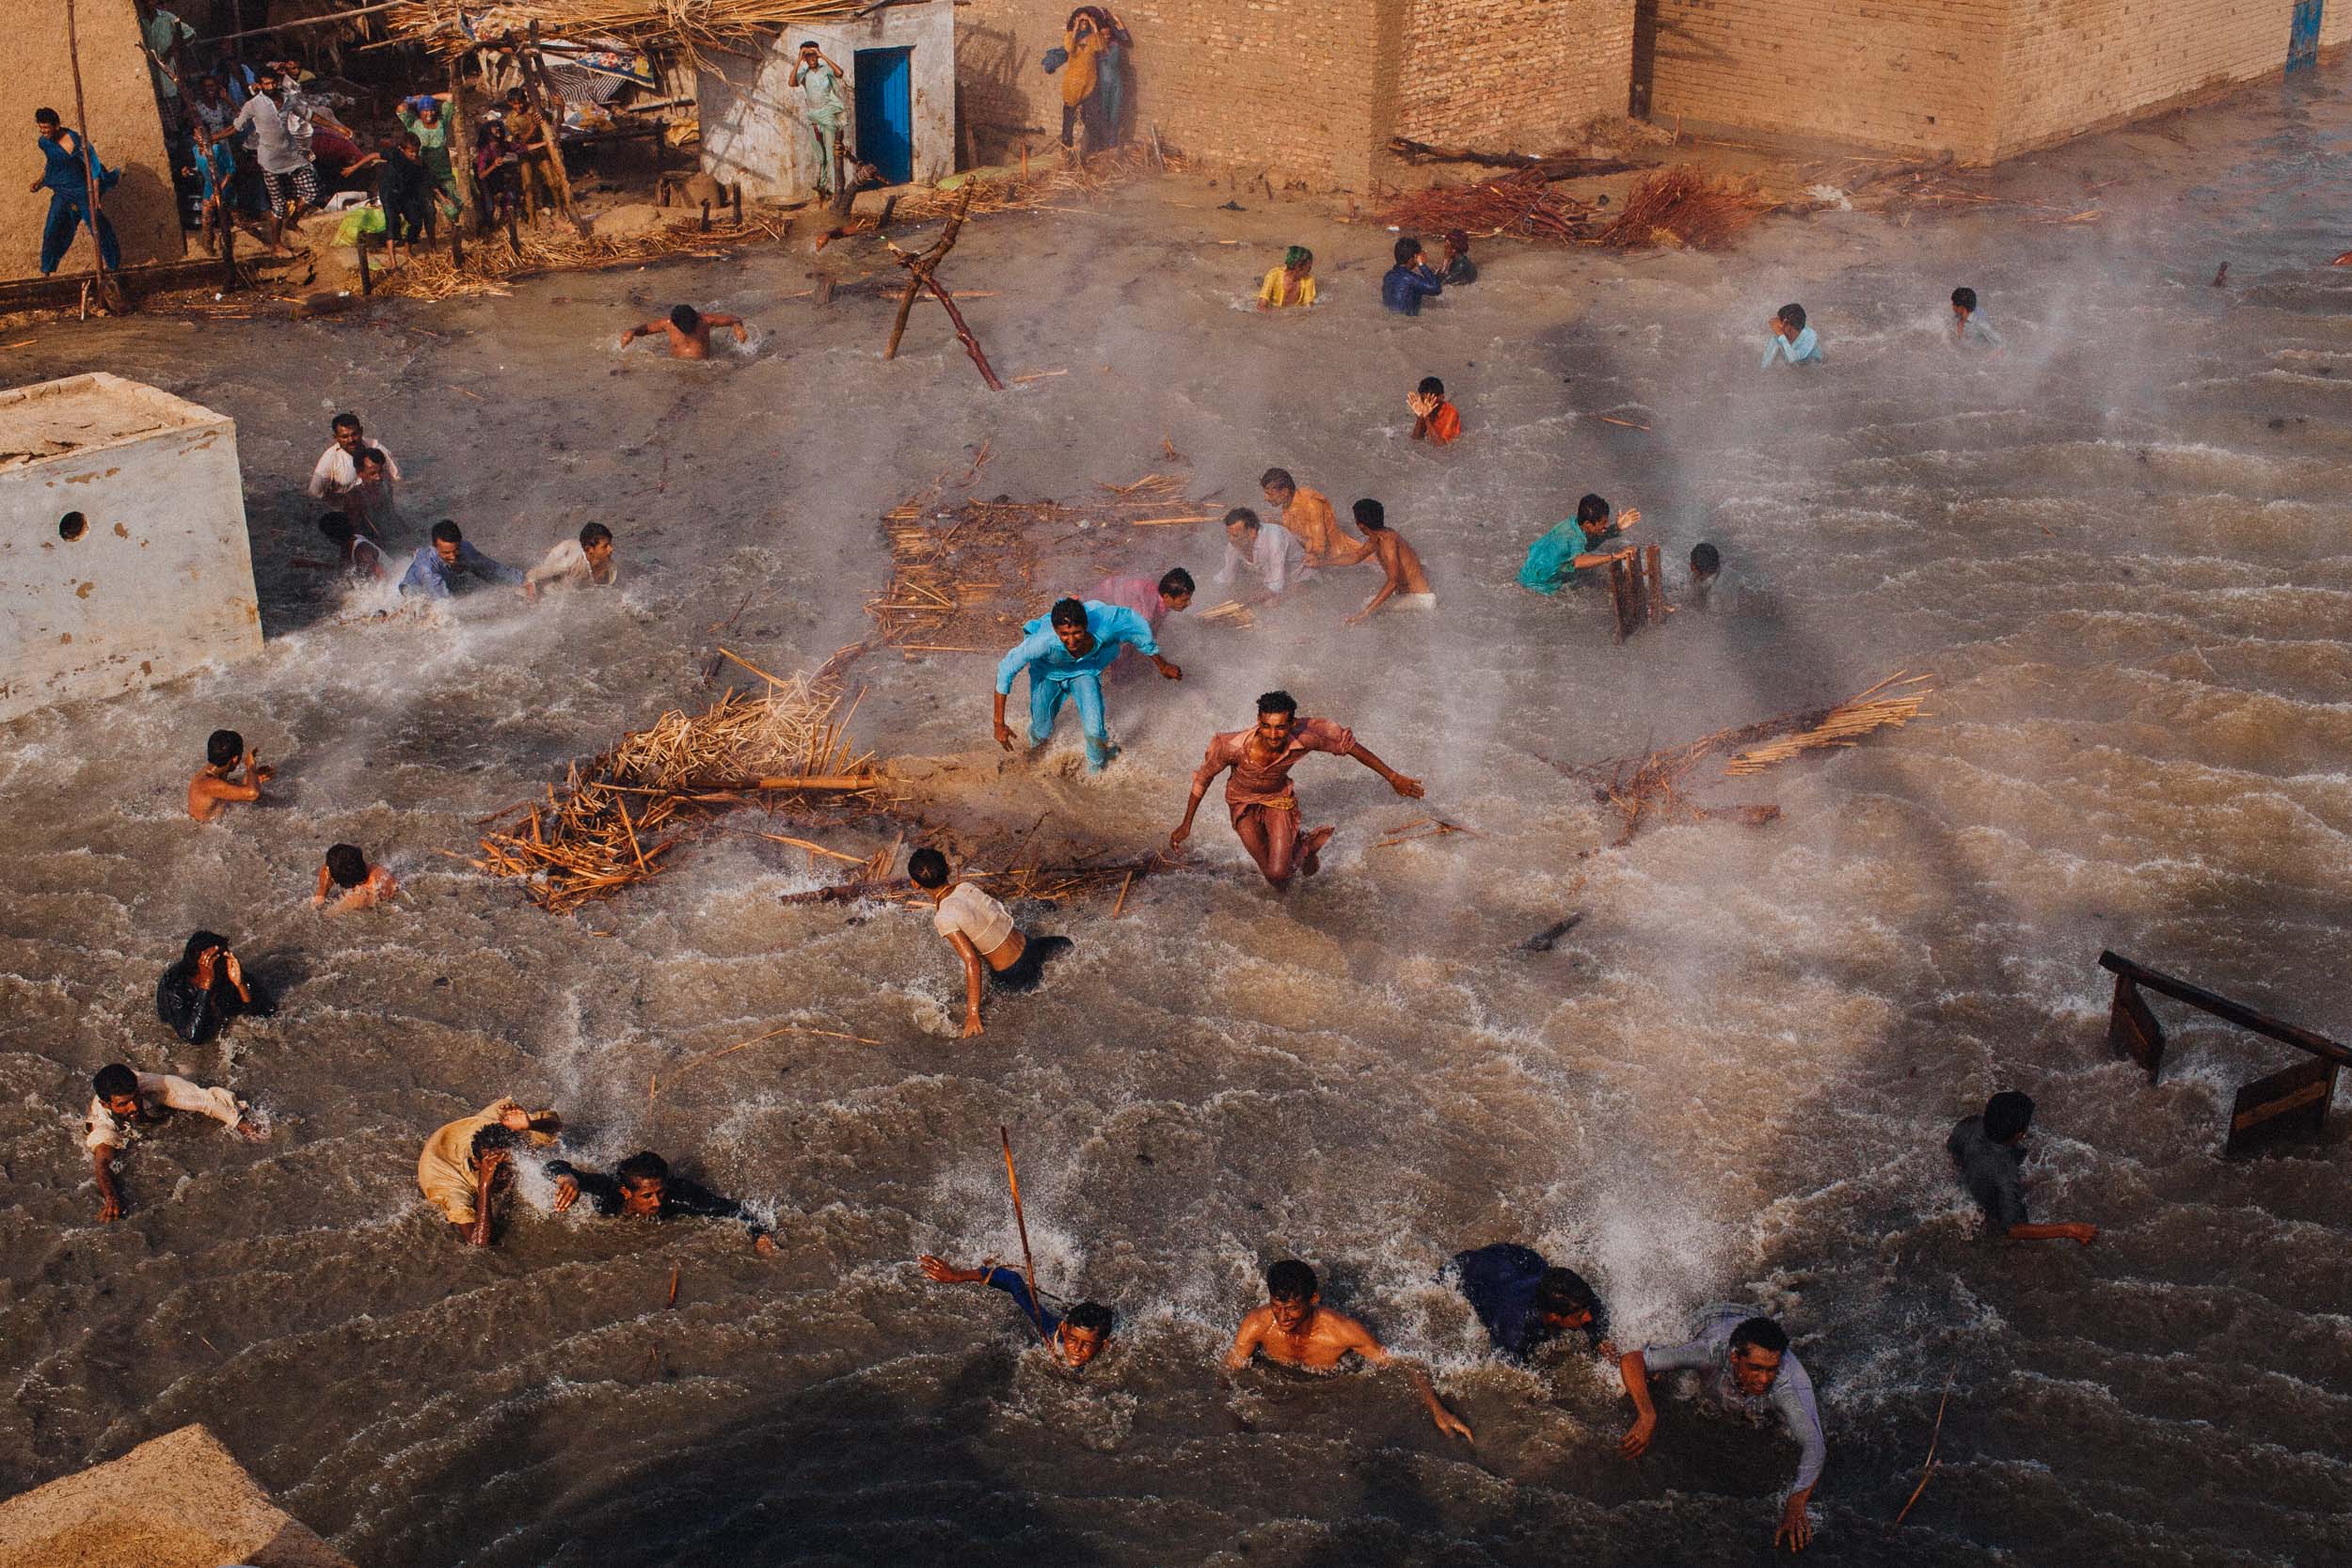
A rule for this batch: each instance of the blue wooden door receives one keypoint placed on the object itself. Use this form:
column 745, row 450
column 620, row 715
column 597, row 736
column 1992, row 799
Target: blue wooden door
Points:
column 2303, row 33
column 885, row 112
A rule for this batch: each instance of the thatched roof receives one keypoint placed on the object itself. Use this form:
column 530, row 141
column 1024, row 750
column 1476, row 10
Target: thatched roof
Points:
column 453, row 26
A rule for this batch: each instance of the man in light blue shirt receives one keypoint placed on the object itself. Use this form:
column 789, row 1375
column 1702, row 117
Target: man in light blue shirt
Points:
column 1792, row 338
column 436, row 567
column 1065, row 653
column 1745, row 1366
column 1970, row 328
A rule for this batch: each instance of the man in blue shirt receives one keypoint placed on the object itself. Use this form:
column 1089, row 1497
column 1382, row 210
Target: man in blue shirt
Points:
column 1065, row 653
column 1524, row 1302
column 436, row 567
column 1411, row 280
column 1075, row 1338
column 1793, row 339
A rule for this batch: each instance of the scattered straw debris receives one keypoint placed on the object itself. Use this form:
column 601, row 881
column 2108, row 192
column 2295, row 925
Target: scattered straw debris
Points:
column 491, row 263
column 1523, row 205
column 1682, row 207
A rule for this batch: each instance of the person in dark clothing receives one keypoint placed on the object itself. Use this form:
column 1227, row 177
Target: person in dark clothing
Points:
column 405, row 186
column 1988, row 1157
column 1411, row 280
column 1524, row 1302
column 642, row 1188
column 1459, row 268
column 208, row 988
column 1075, row 1338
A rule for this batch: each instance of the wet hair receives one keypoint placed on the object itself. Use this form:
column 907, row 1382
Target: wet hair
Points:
column 1278, row 701
column 1291, row 1280
column 344, row 422
column 1793, row 315
column 685, row 317
column 198, row 942
column 1175, row 580
column 346, row 865
column 1406, row 249
column 1592, row 508
column 1242, row 516
column 1431, row 386
column 2007, row 1114
column 223, row 747
column 1705, row 559
column 496, row 1135
column 1763, row 1334
column 1965, row 298
column 1277, row 479
column 808, row 43
column 46, row 116
column 1563, row 1291
column 1458, row 239
column 114, row 1081
column 337, row 526
column 371, row 457
column 643, row 1166
column 1371, row 516
column 1069, row 612
column 927, row 868
column 446, row 532
column 1299, row 256
column 1089, row 1315
column 595, row 533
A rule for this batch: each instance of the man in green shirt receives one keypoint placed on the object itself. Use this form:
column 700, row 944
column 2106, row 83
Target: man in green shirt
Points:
column 827, row 112
column 163, row 33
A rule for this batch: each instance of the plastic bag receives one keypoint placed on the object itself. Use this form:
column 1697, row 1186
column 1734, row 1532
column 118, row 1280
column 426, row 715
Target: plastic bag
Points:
column 363, row 220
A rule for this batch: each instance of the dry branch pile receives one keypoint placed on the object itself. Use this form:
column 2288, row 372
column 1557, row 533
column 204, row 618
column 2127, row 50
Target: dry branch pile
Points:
column 491, row 263
column 1654, row 785
column 963, row 579
column 1682, row 207
column 617, row 816
column 1521, row 204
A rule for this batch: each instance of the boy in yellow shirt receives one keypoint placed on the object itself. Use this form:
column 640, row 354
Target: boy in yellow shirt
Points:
column 1292, row 284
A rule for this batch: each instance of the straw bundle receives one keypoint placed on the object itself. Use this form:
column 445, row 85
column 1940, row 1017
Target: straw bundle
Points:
column 1052, row 181
column 1681, row 206
column 1654, row 785
column 690, row 26
column 1520, row 204
column 964, row 579
column 617, row 816
column 491, row 263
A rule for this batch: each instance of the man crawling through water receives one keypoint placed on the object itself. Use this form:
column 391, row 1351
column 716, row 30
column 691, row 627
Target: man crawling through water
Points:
column 688, row 331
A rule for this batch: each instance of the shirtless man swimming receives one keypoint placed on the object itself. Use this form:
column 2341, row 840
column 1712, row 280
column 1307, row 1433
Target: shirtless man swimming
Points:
column 688, row 331
column 1265, row 808
column 1296, row 1330
column 210, row 791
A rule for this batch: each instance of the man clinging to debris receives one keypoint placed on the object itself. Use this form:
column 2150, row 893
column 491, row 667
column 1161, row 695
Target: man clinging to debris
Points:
column 688, row 331
column 1065, row 653
column 642, row 1188
column 1258, row 794
column 1744, row 1364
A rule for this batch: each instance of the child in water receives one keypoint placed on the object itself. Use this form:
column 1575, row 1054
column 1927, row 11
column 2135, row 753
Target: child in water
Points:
column 212, row 790
column 1969, row 327
column 1434, row 419
column 1459, row 268
column 362, row 886
column 1793, row 339
column 1561, row 557
column 1290, row 283
column 1411, row 280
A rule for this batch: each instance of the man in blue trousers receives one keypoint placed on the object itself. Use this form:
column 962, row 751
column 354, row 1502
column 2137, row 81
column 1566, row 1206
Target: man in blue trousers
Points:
column 1065, row 653
column 69, row 194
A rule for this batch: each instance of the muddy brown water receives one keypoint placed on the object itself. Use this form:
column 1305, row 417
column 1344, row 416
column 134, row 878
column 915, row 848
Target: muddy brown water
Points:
column 2122, row 547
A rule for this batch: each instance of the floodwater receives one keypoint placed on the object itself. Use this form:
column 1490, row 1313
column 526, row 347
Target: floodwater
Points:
column 2121, row 547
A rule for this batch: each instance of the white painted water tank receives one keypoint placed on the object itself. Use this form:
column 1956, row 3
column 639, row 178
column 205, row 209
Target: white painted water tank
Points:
column 124, row 555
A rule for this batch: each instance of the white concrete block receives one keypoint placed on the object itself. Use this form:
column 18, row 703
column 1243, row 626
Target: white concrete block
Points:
column 124, row 555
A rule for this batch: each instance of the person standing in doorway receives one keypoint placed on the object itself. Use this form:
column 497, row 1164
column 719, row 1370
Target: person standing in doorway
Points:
column 819, row 82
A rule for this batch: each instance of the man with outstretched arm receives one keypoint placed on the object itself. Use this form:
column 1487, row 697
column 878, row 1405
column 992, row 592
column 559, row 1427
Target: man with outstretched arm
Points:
column 1076, row 1337
column 1988, row 1154
column 1065, row 653
column 1263, row 805
column 1296, row 1330
column 642, row 1188
column 124, row 1103
column 1744, row 1364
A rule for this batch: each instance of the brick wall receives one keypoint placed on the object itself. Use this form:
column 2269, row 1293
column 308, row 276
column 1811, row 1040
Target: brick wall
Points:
column 1980, row 78
column 1526, row 77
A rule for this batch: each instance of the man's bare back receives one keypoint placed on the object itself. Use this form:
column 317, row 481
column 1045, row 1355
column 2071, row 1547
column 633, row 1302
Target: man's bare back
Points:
column 688, row 342
column 210, row 791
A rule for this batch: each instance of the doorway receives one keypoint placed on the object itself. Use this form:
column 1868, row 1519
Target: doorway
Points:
column 885, row 112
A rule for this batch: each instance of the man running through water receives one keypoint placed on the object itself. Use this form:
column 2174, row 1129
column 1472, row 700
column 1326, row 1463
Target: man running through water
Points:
column 1265, row 808
column 1296, row 1330
column 1744, row 1364
column 1075, row 1338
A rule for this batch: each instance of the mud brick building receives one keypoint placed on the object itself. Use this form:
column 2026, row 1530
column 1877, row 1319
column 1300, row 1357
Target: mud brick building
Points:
column 1314, row 89
column 1981, row 79
column 124, row 126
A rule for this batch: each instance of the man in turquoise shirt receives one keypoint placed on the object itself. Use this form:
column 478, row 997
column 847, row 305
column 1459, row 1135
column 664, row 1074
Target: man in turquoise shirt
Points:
column 1065, row 653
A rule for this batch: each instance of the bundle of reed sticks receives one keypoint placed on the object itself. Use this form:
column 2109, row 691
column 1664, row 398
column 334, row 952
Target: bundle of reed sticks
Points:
column 1681, row 206
column 1521, row 204
column 1842, row 725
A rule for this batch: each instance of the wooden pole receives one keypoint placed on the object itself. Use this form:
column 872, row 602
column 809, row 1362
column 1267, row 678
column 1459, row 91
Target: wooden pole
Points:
column 551, row 118
column 109, row 296
column 461, row 158
column 367, row 284
column 307, row 22
column 1029, row 1268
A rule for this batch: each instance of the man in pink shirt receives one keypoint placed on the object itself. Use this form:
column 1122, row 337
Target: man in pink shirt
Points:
column 1152, row 600
column 1265, row 808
